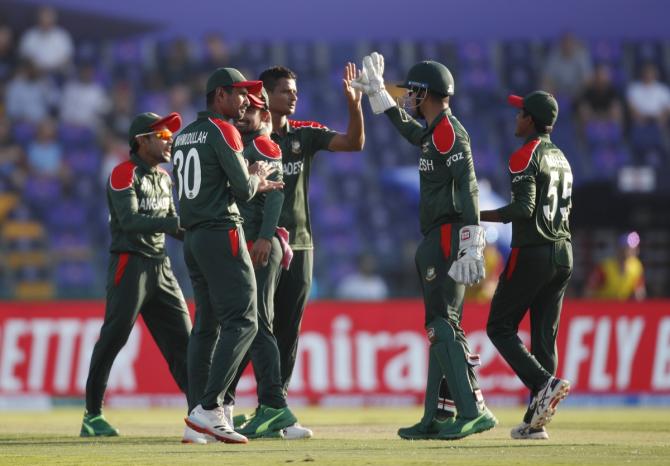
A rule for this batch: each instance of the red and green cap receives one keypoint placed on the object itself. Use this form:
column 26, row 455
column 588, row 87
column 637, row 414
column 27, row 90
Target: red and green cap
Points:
column 149, row 122
column 541, row 105
column 230, row 77
column 260, row 100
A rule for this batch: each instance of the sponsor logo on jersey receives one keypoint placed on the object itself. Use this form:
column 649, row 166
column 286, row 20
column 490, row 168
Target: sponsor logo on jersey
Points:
column 454, row 158
column 518, row 178
column 425, row 147
column 426, row 165
column 430, row 275
column 292, row 168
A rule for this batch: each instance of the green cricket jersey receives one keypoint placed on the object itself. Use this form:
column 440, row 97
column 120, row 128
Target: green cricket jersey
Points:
column 210, row 172
column 261, row 213
column 448, row 186
column 298, row 146
column 541, row 193
column 141, row 209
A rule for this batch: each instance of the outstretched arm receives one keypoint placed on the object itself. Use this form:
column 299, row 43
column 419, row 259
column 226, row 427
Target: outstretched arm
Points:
column 354, row 138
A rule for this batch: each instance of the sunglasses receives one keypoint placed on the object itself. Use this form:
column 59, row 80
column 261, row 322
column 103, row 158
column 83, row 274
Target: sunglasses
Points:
column 163, row 134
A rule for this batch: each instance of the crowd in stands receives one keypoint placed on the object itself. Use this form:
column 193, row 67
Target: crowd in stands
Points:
column 66, row 105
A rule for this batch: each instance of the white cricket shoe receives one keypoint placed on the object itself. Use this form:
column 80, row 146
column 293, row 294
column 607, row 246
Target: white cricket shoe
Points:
column 228, row 413
column 214, row 423
column 525, row 432
column 296, row 432
column 195, row 437
column 546, row 401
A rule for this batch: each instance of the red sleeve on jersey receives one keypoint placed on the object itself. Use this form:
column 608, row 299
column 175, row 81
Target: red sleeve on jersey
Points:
column 302, row 124
column 444, row 136
column 122, row 176
column 229, row 134
column 520, row 160
column 267, row 147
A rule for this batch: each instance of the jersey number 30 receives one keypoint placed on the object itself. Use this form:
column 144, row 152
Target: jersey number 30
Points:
column 553, row 196
column 189, row 183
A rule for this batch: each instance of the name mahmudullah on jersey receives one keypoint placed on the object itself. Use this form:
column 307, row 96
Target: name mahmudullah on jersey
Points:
column 196, row 137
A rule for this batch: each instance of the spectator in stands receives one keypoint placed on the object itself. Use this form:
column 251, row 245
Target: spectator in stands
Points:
column 568, row 68
column 12, row 158
column 30, row 96
column 493, row 264
column 216, row 53
column 115, row 151
column 45, row 155
column 621, row 276
column 177, row 66
column 600, row 101
column 47, row 45
column 365, row 284
column 123, row 109
column 84, row 102
column 8, row 57
column 649, row 106
column 180, row 101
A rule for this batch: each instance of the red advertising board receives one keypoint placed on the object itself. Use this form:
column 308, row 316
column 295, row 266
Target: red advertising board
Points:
column 350, row 353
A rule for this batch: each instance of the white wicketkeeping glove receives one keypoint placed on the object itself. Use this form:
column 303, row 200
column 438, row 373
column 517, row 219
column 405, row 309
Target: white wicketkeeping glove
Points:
column 468, row 268
column 371, row 82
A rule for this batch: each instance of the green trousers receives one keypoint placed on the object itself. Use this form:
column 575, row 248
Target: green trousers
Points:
column 139, row 285
column 225, row 324
column 534, row 279
column 443, row 304
column 264, row 352
column 290, row 301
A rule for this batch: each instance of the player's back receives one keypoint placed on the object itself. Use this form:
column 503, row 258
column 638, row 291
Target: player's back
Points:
column 201, row 154
column 552, row 175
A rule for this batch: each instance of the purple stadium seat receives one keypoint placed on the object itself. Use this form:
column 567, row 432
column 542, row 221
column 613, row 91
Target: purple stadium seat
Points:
column 24, row 132
column 76, row 136
column 41, row 191
column 83, row 162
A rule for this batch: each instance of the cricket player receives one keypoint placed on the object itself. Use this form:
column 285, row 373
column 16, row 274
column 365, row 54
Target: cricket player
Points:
column 269, row 251
column 540, row 264
column 450, row 255
column 139, row 278
column 211, row 173
column 299, row 142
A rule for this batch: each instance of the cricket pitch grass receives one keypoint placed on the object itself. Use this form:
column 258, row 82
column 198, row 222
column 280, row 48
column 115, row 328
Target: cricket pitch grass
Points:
column 347, row 437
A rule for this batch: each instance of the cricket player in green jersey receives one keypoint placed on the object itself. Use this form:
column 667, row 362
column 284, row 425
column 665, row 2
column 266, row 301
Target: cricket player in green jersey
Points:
column 211, row 173
column 450, row 255
column 299, row 142
column 540, row 264
column 139, row 278
column 267, row 250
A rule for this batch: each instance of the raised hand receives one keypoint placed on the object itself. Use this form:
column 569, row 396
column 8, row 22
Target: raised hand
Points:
column 351, row 92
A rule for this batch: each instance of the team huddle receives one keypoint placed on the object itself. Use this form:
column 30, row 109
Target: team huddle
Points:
column 241, row 174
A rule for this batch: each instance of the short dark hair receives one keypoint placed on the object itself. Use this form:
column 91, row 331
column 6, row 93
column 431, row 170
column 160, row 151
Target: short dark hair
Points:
column 539, row 127
column 211, row 95
column 271, row 76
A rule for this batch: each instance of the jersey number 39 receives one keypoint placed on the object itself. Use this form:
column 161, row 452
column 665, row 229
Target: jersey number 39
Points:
column 189, row 175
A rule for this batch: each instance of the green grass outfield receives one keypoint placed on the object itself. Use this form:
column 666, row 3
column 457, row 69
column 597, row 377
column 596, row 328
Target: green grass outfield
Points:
column 347, row 437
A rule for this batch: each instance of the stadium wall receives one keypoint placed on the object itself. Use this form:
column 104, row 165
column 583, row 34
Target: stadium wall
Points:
column 351, row 354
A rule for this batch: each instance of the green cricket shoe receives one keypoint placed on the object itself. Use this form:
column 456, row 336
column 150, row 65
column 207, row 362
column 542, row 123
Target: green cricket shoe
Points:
column 240, row 419
column 95, row 425
column 423, row 431
column 462, row 427
column 267, row 420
